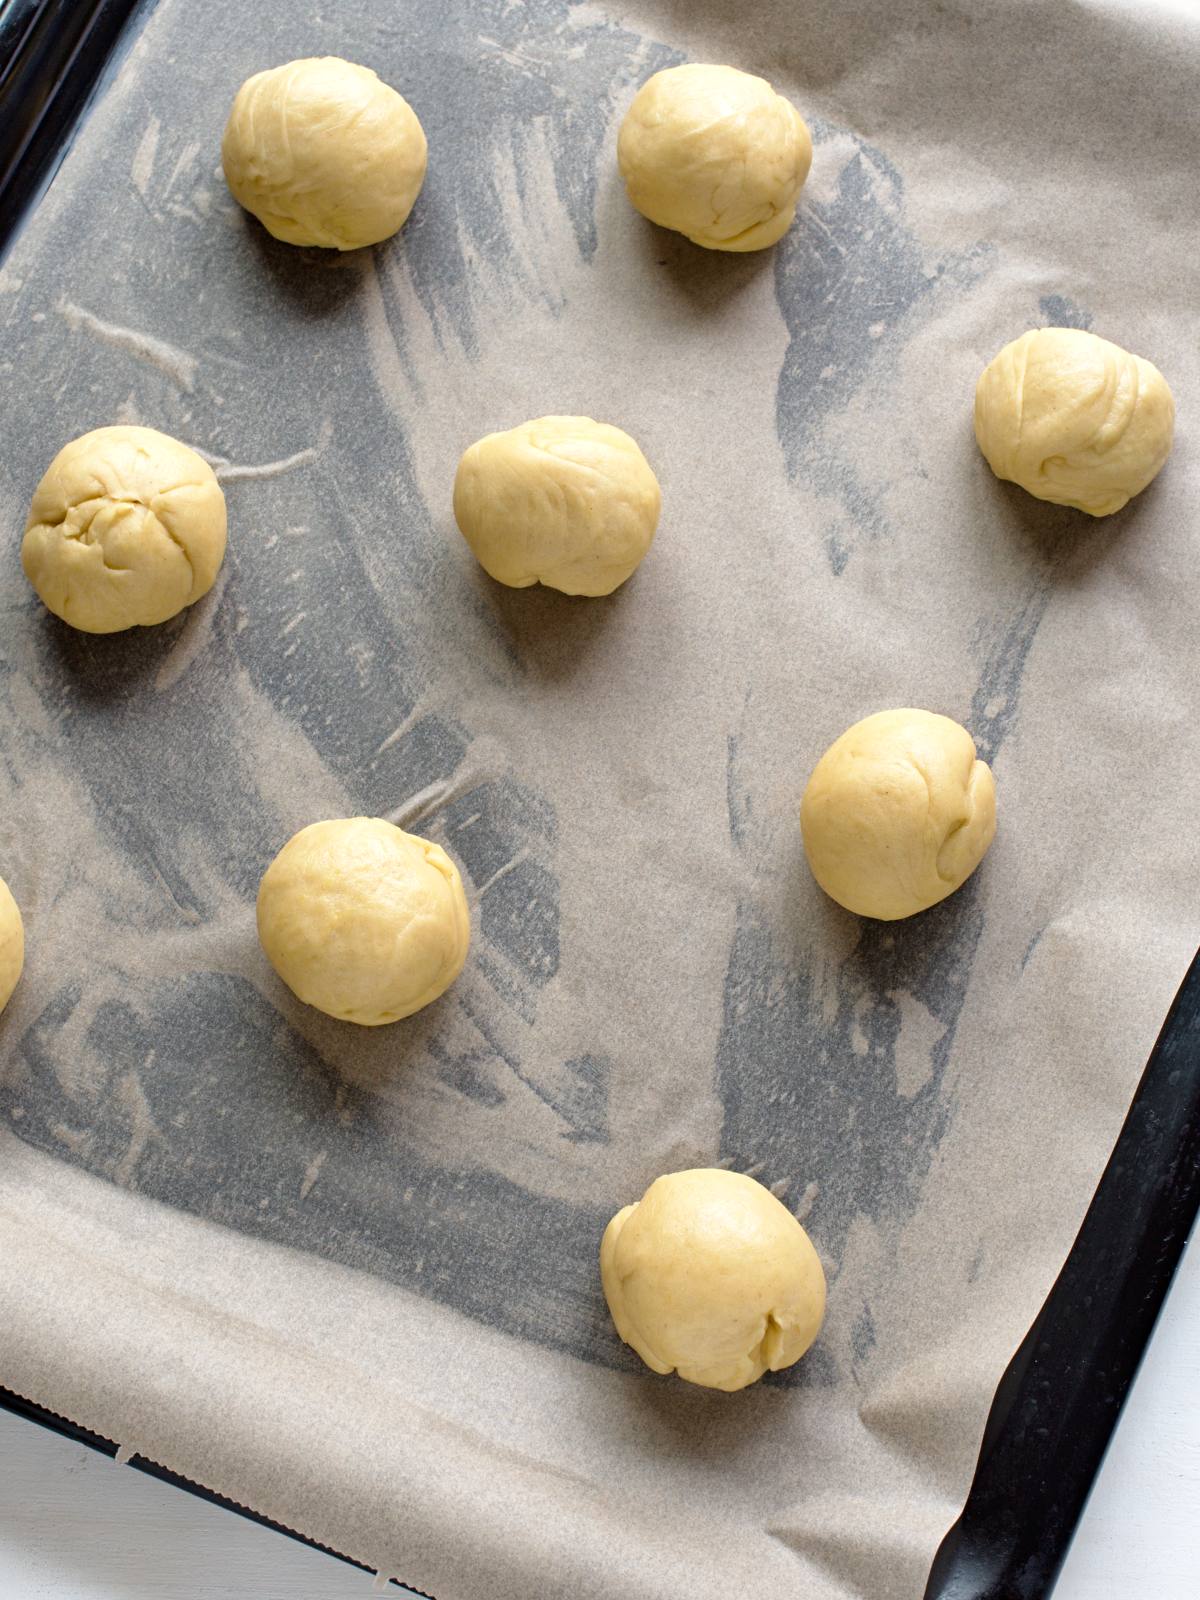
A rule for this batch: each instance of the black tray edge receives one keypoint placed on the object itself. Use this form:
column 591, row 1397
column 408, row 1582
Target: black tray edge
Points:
column 1058, row 1403
column 55, row 56
column 32, row 1412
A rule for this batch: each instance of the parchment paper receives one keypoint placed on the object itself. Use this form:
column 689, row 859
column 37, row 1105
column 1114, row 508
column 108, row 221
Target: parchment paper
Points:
column 349, row 1277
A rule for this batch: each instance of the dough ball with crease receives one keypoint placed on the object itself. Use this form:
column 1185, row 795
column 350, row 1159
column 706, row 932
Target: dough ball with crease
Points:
column 323, row 152
column 1074, row 419
column 12, row 944
column 126, row 529
column 362, row 920
column 710, row 1276
column 563, row 501
column 898, row 813
column 715, row 154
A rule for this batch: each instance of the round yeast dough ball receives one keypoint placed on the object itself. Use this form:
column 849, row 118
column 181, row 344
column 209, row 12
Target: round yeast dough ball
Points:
column 709, row 1276
column 1074, row 419
column 127, row 527
column 323, row 152
column 12, row 944
column 715, row 154
column 362, row 920
column 898, row 813
column 563, row 501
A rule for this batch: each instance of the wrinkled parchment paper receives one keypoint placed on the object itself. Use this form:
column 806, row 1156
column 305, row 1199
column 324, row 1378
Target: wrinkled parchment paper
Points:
column 348, row 1277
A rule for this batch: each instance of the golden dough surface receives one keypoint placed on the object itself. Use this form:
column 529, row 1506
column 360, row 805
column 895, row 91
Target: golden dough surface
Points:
column 710, row 1276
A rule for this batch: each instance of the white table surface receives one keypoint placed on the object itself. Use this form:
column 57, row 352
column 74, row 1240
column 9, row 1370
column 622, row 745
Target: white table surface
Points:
column 74, row 1526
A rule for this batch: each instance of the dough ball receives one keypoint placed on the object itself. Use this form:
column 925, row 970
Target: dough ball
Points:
column 715, row 154
column 323, row 152
column 362, row 920
column 708, row 1275
column 563, row 501
column 126, row 528
column 1074, row 419
column 12, row 944
column 897, row 814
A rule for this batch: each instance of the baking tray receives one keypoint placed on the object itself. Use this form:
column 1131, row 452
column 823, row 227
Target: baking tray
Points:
column 1059, row 1400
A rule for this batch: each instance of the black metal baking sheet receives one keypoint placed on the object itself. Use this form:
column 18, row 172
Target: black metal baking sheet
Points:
column 1057, row 1405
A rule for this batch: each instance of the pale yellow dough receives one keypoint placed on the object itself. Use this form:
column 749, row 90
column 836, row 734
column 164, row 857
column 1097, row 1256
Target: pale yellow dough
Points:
column 1074, row 419
column 563, row 501
column 362, row 920
column 715, row 154
column 898, row 813
column 12, row 944
column 126, row 528
column 709, row 1276
column 323, row 152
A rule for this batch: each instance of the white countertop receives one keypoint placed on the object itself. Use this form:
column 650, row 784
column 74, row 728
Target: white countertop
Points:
column 74, row 1526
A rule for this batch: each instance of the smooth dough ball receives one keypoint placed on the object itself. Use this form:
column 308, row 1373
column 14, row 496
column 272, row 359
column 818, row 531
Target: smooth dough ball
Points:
column 12, row 944
column 898, row 813
column 715, row 154
column 362, row 920
column 126, row 528
column 563, row 501
column 709, row 1276
column 323, row 152
column 1074, row 419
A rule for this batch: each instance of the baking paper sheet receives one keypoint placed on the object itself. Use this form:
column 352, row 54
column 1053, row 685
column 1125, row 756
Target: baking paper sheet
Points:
column 349, row 1277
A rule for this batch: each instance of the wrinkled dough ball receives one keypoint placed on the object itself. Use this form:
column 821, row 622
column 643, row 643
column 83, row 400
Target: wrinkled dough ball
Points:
column 362, row 920
column 324, row 153
column 12, row 944
column 715, row 154
column 709, row 1276
column 897, row 814
column 126, row 528
column 563, row 501
column 1074, row 419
